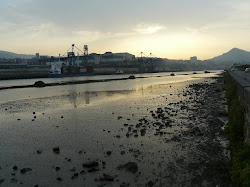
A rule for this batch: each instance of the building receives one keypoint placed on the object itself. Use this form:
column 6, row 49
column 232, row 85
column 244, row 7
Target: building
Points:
column 37, row 56
column 193, row 59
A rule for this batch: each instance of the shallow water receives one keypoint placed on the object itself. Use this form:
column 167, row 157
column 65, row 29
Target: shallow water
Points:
column 85, row 118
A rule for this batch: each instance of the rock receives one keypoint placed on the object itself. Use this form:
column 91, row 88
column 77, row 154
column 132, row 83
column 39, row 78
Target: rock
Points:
column 183, row 107
column 39, row 151
column 108, row 152
column 90, row 164
column 107, row 177
column 24, row 170
column 122, row 152
column 57, row 168
column 93, row 170
column 150, row 183
column 76, row 174
column 39, row 84
column 130, row 166
column 143, row 132
column 13, row 180
column 56, row 150
column 59, row 178
column 2, row 180
column 73, row 169
column 82, row 172
column 15, row 168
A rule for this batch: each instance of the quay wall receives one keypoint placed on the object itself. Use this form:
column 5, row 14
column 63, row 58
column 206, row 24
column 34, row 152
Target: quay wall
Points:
column 243, row 83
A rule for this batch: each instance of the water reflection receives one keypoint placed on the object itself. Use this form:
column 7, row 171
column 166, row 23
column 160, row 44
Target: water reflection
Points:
column 73, row 96
column 87, row 98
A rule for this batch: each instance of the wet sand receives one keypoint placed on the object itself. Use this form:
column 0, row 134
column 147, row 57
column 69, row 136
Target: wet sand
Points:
column 160, row 135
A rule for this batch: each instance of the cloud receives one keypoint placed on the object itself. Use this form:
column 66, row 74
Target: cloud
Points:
column 149, row 29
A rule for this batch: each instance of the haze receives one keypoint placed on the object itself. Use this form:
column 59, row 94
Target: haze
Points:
column 171, row 29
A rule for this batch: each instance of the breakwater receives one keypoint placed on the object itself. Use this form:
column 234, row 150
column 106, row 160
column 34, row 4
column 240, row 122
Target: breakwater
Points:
column 242, row 80
column 237, row 95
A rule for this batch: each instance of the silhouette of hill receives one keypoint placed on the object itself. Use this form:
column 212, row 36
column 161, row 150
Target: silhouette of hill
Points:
column 234, row 55
column 7, row 55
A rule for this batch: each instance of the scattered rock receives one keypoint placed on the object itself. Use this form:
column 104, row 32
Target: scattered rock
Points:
column 107, row 177
column 122, row 152
column 24, row 170
column 150, row 183
column 39, row 151
column 56, row 150
column 93, row 170
column 130, row 166
column 39, row 84
column 90, row 164
column 108, row 152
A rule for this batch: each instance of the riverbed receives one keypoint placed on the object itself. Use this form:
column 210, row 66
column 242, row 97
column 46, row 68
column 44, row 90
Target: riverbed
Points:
column 158, row 124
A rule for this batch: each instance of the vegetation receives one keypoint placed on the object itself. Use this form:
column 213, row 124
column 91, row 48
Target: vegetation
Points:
column 240, row 153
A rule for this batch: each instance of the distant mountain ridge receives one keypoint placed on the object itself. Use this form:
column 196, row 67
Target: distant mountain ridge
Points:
column 7, row 55
column 234, row 55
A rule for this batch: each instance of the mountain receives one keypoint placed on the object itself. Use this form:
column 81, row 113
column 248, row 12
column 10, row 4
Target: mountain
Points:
column 7, row 55
column 234, row 55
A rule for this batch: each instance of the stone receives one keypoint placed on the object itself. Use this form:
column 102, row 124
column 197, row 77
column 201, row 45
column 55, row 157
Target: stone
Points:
column 24, row 170
column 90, row 164
column 39, row 84
column 107, row 177
column 56, row 150
column 130, row 166
column 93, row 170
column 108, row 152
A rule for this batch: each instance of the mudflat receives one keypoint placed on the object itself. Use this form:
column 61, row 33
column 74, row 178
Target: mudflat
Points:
column 158, row 135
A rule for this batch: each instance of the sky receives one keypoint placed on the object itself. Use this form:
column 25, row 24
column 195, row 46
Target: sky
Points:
column 174, row 29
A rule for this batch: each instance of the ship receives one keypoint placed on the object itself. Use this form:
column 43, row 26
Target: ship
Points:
column 71, row 65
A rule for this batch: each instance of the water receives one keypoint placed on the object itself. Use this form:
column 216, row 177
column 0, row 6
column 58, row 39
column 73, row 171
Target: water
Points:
column 151, row 79
column 86, row 121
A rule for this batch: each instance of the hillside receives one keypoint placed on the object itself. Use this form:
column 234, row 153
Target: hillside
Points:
column 234, row 55
column 7, row 55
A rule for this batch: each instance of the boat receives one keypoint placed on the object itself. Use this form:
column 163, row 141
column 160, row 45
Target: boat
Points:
column 206, row 71
column 131, row 77
column 194, row 73
column 172, row 74
column 119, row 72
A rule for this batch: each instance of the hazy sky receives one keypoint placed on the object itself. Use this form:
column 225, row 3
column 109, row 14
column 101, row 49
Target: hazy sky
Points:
column 167, row 28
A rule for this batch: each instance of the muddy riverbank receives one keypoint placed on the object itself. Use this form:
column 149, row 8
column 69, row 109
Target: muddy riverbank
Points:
column 159, row 135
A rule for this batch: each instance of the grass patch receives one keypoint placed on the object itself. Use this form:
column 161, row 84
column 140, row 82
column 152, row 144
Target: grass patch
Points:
column 240, row 153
